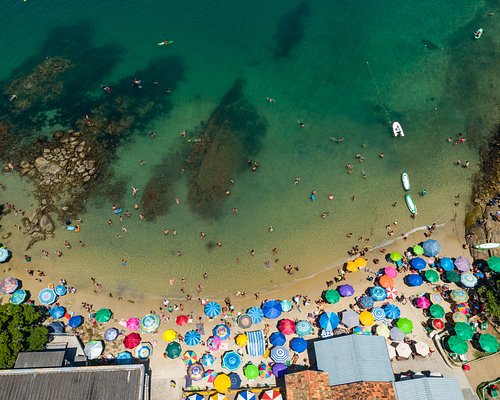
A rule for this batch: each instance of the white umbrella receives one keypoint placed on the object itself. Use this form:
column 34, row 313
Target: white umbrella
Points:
column 422, row 348
column 403, row 350
column 392, row 350
column 93, row 349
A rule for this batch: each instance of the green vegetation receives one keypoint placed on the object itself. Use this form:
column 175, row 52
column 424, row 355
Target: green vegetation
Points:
column 20, row 330
column 490, row 295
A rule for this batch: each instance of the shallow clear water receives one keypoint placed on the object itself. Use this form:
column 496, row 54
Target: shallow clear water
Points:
column 352, row 69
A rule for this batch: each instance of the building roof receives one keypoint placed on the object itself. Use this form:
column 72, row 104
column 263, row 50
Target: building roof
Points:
column 121, row 382
column 40, row 359
column 429, row 389
column 354, row 358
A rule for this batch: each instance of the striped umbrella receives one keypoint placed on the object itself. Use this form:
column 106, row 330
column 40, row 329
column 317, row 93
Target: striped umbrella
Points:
column 222, row 331
column 246, row 395
column 286, row 305
column 329, row 321
column 303, row 328
column 150, row 323
column 18, row 297
column 231, row 360
column 463, row 308
column 366, row 302
column 378, row 293
column 272, row 394
column 192, row 338
column 47, row 296
column 210, row 375
column 144, row 351
column 189, row 357
column 378, row 313
column 459, row 296
column 207, row 359
column 436, row 298
column 392, row 311
column 195, row 396
column 9, row 285
column 244, row 321
column 468, row 280
column 212, row 309
column 392, row 293
column 256, row 314
column 265, row 371
column 195, row 371
column 280, row 354
column 459, row 317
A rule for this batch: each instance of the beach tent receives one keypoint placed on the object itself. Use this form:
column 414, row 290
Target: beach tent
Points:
column 494, row 263
column 418, row 263
column 431, row 247
column 19, row 296
column 256, row 314
column 346, row 290
column 256, row 343
column 125, row 357
column 192, row 338
column 57, row 312
column 272, row 309
column 75, row 321
column 93, row 349
column 414, row 280
column 277, row 339
column 173, row 350
column 446, row 264
column 286, row 326
column 329, row 321
column 56, row 327
column 303, row 327
column 298, row 344
column 332, row 296
column 462, row 264
column 392, row 311
column 488, row 343
column 251, row 371
column 212, row 309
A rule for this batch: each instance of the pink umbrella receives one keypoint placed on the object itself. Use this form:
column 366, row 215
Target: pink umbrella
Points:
column 286, row 326
column 391, row 272
column 423, row 302
column 214, row 342
column 133, row 324
column 391, row 292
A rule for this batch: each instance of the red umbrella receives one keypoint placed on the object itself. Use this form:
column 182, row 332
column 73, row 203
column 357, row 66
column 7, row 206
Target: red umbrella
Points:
column 438, row 323
column 131, row 340
column 286, row 326
column 181, row 320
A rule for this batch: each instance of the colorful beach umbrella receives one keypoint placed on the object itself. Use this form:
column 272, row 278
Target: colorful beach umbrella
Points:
column 468, row 280
column 391, row 272
column 192, row 338
column 189, row 357
column 435, row 298
column 277, row 339
column 61, row 290
column 392, row 293
column 494, row 263
column 47, row 296
column 265, row 371
column 378, row 293
column 272, row 309
column 446, row 264
column 438, row 323
column 173, row 350
column 366, row 318
column 329, row 321
column 57, row 312
column 242, row 339
column 463, row 331
column 231, row 360
column 397, row 334
column 362, row 330
column 181, row 320
column 459, row 296
column 436, row 311
column 366, row 302
column 378, row 313
column 459, row 317
column 19, row 296
column 212, row 309
column 392, row 311
column 272, row 394
column 111, row 334
column 207, row 359
column 395, row 256
column 423, row 302
column 123, row 358
column 222, row 383
column 286, row 305
column 457, row 345
column 75, row 321
column 246, row 395
column 103, row 315
column 133, row 324
column 332, row 296
column 280, row 354
column 383, row 330
column 488, row 343
column 244, row 321
column 195, row 396
column 251, row 371
column 4, row 254
column 144, row 351
column 256, row 314
column 214, row 342
column 286, row 326
column 195, row 371
column 298, row 344
column 418, row 250
column 303, row 328
column 463, row 308
column 350, row 318
column 418, row 263
column 405, row 325
column 462, row 264
column 279, row 370
column 131, row 341
column 346, row 290
column 150, row 323
column 414, row 280
column 222, row 331
column 386, row 281
column 431, row 247
column 452, row 276
column 235, row 381
column 210, row 375
column 169, row 335
column 431, row 276
column 93, row 349
column 218, row 396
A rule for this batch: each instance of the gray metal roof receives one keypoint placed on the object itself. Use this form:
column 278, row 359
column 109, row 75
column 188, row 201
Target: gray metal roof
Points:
column 121, row 382
column 40, row 359
column 429, row 389
column 354, row 358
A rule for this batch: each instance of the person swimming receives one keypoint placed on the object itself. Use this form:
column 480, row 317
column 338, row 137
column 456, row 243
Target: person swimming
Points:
column 106, row 88
column 137, row 83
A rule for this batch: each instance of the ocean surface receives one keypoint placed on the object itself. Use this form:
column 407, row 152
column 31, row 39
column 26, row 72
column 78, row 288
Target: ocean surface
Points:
column 344, row 69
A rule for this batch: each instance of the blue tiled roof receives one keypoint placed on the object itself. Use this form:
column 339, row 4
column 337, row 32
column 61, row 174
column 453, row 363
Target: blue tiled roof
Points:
column 429, row 389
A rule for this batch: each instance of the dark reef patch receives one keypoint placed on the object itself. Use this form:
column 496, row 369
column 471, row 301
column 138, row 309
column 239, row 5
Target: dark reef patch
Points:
column 290, row 31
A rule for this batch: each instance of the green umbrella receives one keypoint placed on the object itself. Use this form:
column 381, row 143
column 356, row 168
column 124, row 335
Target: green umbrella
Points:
column 457, row 345
column 452, row 276
column 103, row 315
column 395, row 256
column 494, row 263
column 332, row 296
column 436, row 311
column 418, row 250
column 173, row 350
column 488, row 343
column 463, row 331
column 251, row 371
column 405, row 325
column 431, row 275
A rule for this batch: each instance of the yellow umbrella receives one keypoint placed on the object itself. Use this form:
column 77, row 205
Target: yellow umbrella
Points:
column 383, row 330
column 169, row 335
column 366, row 318
column 360, row 262
column 351, row 266
column 242, row 339
column 222, row 383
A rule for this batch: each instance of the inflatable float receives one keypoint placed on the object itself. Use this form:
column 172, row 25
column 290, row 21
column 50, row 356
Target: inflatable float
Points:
column 410, row 204
column 405, row 180
column 397, row 129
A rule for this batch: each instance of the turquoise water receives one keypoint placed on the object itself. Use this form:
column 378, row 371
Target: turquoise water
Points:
column 345, row 70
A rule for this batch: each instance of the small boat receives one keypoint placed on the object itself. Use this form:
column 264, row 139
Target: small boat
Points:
column 410, row 204
column 478, row 34
column 486, row 246
column 397, row 129
column 405, row 180
column 165, row 42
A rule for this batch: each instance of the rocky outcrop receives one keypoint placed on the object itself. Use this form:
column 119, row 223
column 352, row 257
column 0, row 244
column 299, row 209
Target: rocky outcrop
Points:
column 38, row 226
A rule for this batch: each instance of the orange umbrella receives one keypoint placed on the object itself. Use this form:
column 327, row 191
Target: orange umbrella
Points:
column 386, row 281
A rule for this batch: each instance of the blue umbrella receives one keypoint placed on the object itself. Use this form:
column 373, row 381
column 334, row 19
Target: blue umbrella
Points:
column 329, row 321
column 57, row 312
column 378, row 293
column 256, row 314
column 56, row 327
column 378, row 314
column 298, row 344
column 212, row 309
column 235, row 381
column 9, row 285
column 207, row 359
column 125, row 357
column 18, row 297
column 414, row 280
column 286, row 305
column 366, row 302
column 231, row 361
column 222, row 331
column 47, row 296
column 4, row 254
column 280, row 354
column 277, row 339
column 447, row 264
column 392, row 311
column 272, row 309
column 431, row 248
column 418, row 263
column 192, row 338
column 75, row 321
column 195, row 396
column 111, row 334
column 61, row 290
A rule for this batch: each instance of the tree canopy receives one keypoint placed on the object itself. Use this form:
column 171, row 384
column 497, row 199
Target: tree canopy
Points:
column 490, row 295
column 20, row 330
